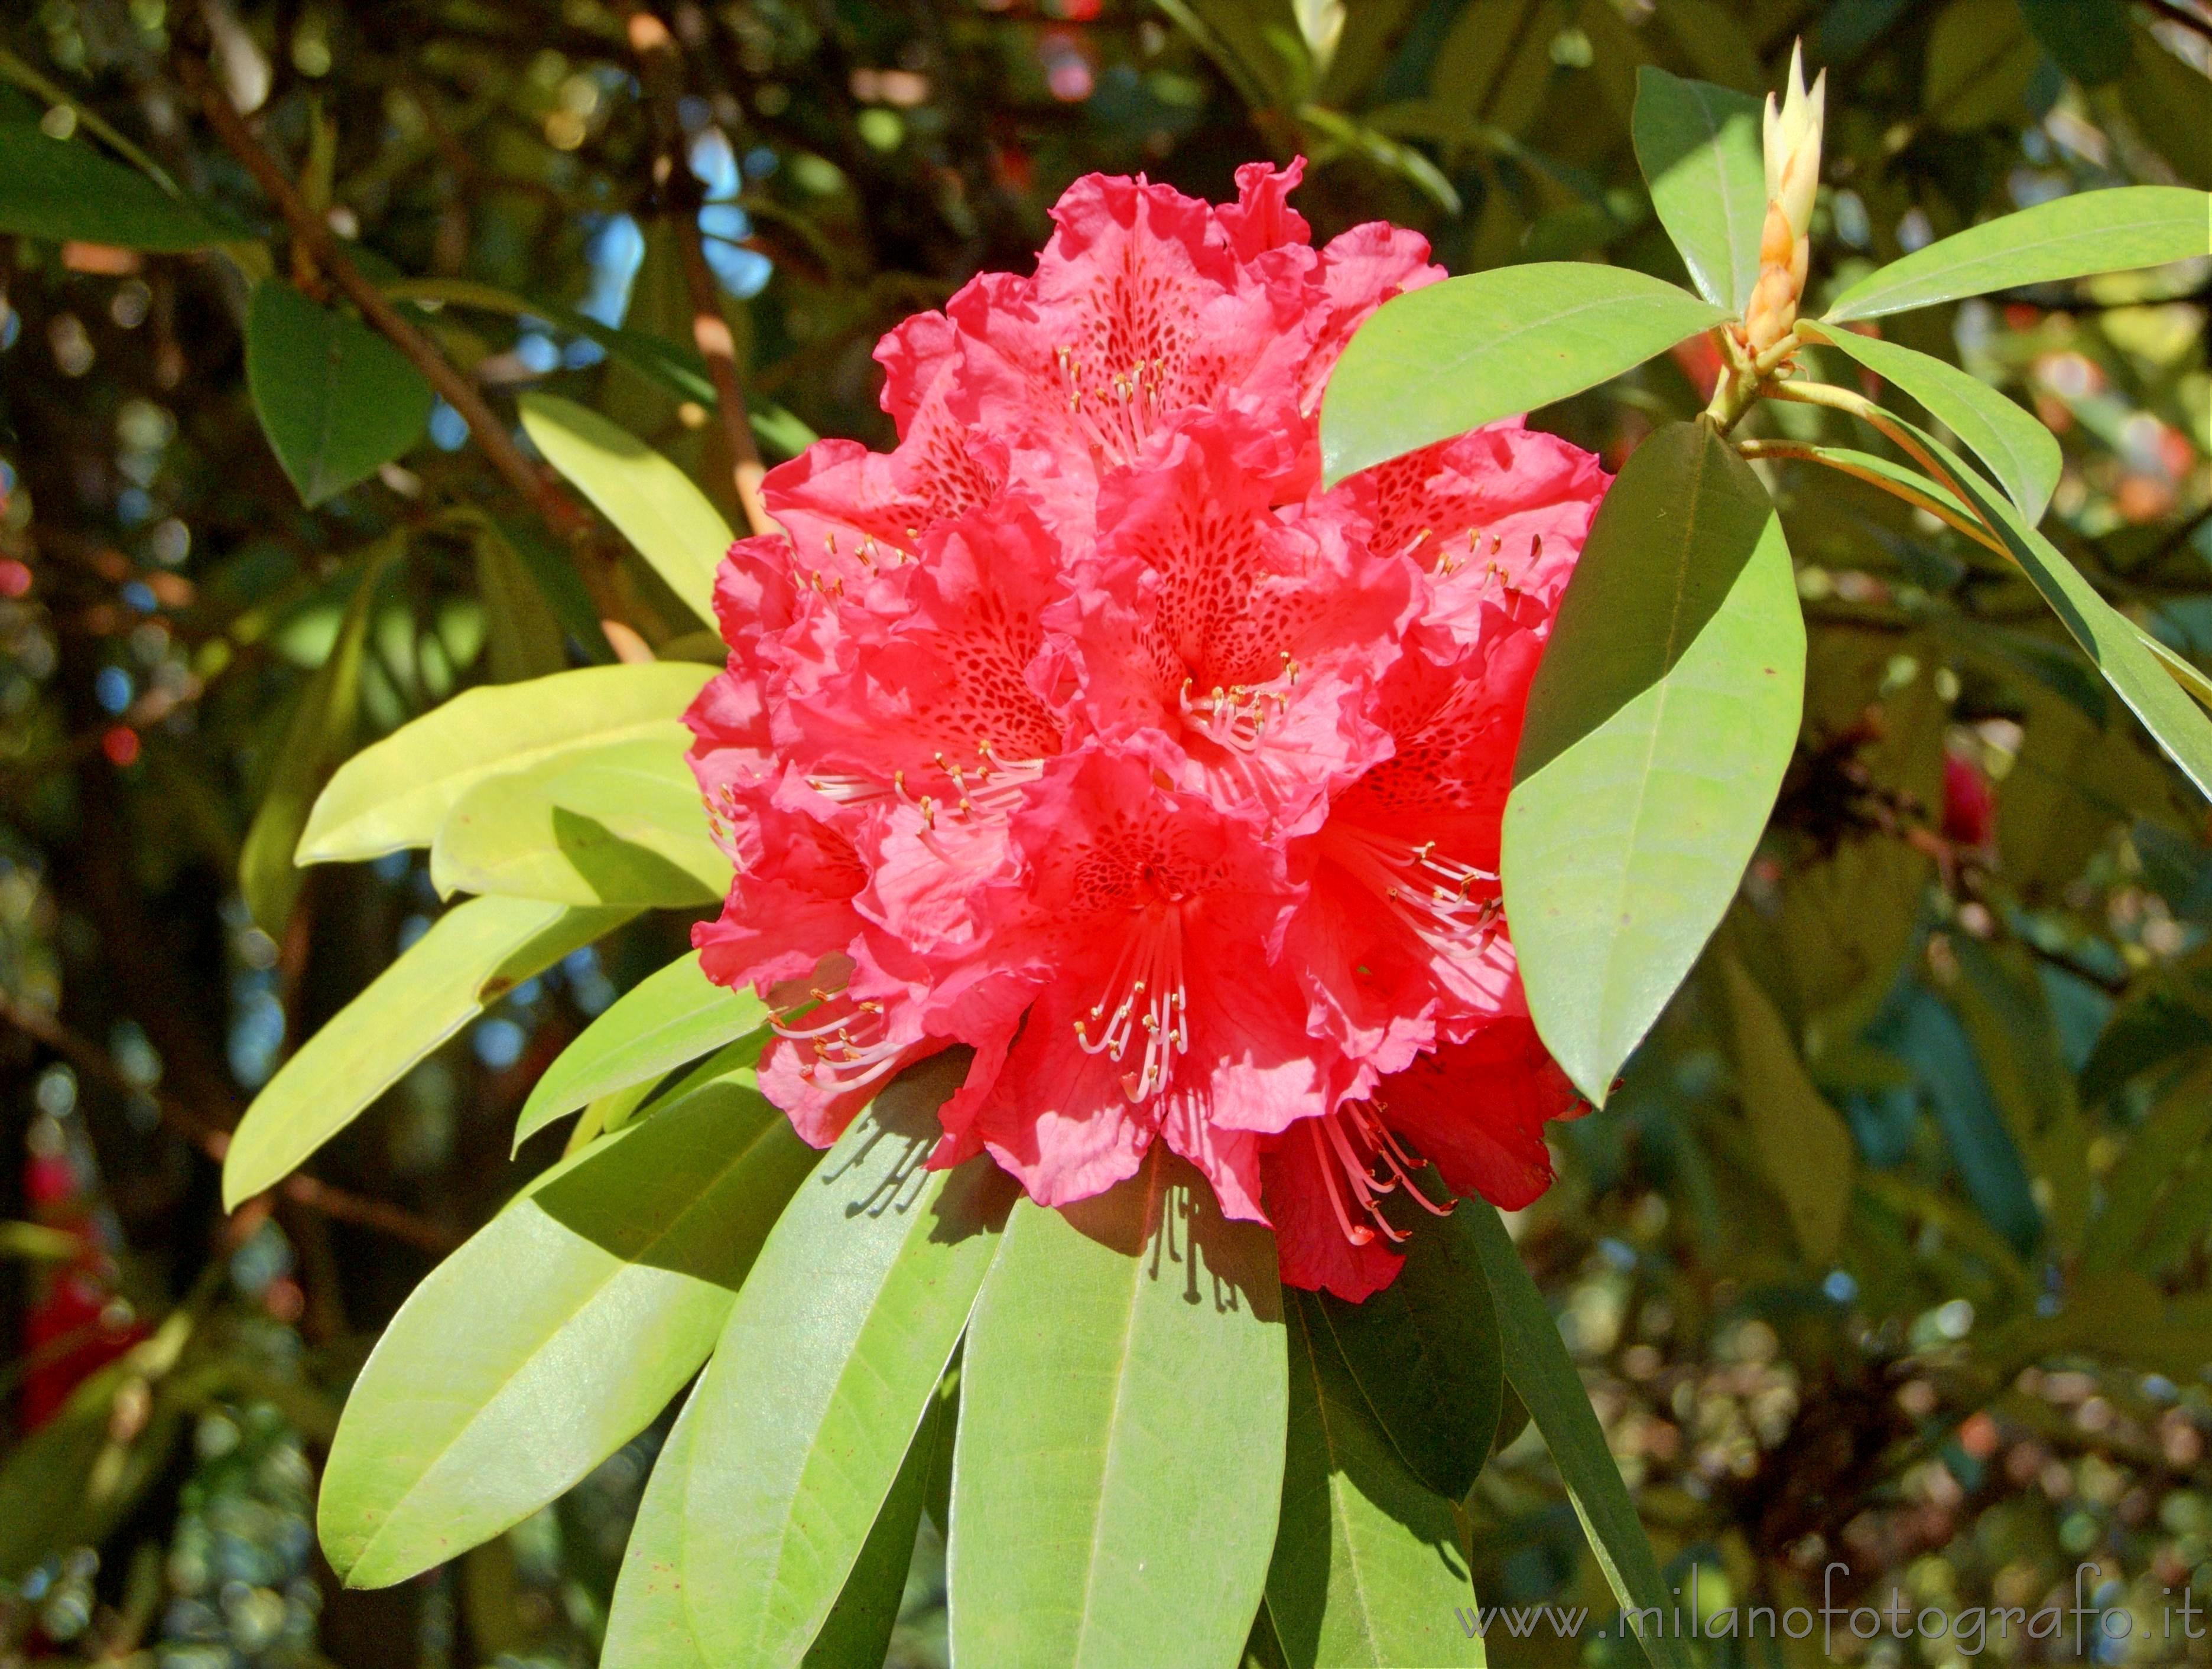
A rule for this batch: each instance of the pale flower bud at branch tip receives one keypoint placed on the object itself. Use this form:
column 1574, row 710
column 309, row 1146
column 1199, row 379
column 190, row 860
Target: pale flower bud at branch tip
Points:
column 1792, row 178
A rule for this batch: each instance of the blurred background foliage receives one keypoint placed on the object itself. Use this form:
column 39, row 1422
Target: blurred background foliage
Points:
column 1891, row 1250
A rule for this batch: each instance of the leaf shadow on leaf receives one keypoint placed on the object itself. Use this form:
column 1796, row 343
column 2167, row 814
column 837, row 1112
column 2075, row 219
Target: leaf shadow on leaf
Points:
column 620, row 870
column 1166, row 1215
column 906, row 1112
column 607, row 1199
column 1669, row 541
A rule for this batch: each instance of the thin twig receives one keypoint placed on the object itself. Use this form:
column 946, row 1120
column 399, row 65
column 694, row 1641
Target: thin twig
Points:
column 212, row 1140
column 1841, row 399
column 660, row 65
column 1897, row 490
column 559, row 510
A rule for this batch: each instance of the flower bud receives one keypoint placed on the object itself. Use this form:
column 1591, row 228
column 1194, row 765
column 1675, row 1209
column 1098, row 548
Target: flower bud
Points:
column 1793, row 177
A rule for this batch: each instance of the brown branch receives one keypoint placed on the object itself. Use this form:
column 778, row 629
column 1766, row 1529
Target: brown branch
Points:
column 535, row 488
column 211, row 1139
column 660, row 65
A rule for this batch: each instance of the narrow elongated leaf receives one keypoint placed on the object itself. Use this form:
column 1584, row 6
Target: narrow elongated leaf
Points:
column 64, row 189
column 649, row 1622
column 322, row 730
column 622, row 823
column 471, row 954
column 1802, row 1141
column 554, row 1335
column 335, row 398
column 2022, row 456
column 1980, row 62
column 825, row 1369
column 1629, row 824
column 858, row 1627
column 667, row 1018
column 2069, row 237
column 1123, row 1387
column 1700, row 148
column 652, row 503
column 1544, row 1377
column 397, row 793
column 1435, row 362
column 1423, row 1352
column 1367, row 1571
column 2175, row 721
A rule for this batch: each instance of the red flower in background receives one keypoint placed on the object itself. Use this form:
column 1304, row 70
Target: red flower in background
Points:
column 1085, row 729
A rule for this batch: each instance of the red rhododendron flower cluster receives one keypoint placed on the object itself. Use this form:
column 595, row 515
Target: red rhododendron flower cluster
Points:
column 1085, row 729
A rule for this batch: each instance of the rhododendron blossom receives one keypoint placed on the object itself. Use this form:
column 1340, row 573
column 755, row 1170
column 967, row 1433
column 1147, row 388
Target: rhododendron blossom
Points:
column 1085, row 729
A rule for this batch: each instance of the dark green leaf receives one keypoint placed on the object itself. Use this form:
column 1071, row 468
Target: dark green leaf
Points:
column 1423, row 1352
column 471, row 954
column 64, row 189
column 2070, row 237
column 1367, row 1569
column 336, row 399
column 1700, row 148
column 1545, row 1377
column 322, row 730
column 1123, row 1383
column 1628, row 829
column 1981, row 60
column 2088, row 38
column 1437, row 362
column 67, row 1484
column 553, row 1335
column 1804, row 1143
column 2158, row 1156
column 825, row 1370
column 2022, row 456
column 669, row 1017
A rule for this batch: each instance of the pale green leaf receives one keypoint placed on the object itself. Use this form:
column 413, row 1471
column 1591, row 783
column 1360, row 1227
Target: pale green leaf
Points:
column 471, row 954
column 1544, row 1377
column 1119, row 1463
column 1700, row 148
column 2069, row 237
column 554, row 1335
column 652, row 503
column 397, row 793
column 2022, row 456
column 336, row 399
column 674, row 1015
column 619, row 823
column 1439, row 360
column 1629, row 828
column 825, row 1370
column 649, row 1622
column 1367, row 1571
